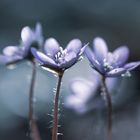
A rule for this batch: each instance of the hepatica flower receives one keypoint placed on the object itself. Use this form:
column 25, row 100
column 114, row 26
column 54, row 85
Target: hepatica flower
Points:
column 29, row 37
column 56, row 58
column 82, row 91
column 84, row 96
column 109, row 64
column 12, row 54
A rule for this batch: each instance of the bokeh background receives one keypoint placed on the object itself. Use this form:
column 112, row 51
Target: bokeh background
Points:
column 117, row 21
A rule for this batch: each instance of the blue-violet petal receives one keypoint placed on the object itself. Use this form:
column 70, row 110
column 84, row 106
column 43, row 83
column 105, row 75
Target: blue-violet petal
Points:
column 121, row 55
column 100, row 49
column 115, row 72
column 74, row 45
column 131, row 65
column 51, row 47
column 42, row 58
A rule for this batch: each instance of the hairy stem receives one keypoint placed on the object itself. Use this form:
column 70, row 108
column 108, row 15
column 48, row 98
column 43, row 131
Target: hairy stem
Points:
column 55, row 113
column 34, row 132
column 109, row 108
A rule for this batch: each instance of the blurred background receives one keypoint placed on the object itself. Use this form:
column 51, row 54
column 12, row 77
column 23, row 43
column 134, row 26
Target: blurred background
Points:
column 117, row 21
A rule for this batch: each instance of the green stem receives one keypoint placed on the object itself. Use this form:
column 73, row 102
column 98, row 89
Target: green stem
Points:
column 55, row 113
column 34, row 132
column 109, row 108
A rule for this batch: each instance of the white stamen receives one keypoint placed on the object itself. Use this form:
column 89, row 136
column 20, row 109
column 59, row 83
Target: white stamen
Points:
column 107, row 65
column 127, row 74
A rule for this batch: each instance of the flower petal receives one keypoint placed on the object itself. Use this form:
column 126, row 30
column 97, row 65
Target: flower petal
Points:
column 42, row 58
column 38, row 30
column 12, row 50
column 74, row 45
column 70, row 59
column 83, row 49
column 131, row 65
column 51, row 47
column 89, row 54
column 26, row 35
column 95, row 64
column 110, row 58
column 100, row 49
column 9, row 59
column 115, row 72
column 121, row 55
column 38, row 34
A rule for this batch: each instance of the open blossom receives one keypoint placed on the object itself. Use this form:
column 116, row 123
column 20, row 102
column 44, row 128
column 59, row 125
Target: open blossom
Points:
column 29, row 37
column 84, row 95
column 57, row 59
column 81, row 91
column 109, row 64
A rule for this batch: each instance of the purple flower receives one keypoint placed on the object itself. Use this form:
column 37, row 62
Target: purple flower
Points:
column 57, row 59
column 84, row 95
column 109, row 64
column 29, row 37
column 82, row 90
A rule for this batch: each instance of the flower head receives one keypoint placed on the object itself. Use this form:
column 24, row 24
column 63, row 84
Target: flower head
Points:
column 109, row 64
column 85, row 95
column 29, row 38
column 57, row 59
column 82, row 90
